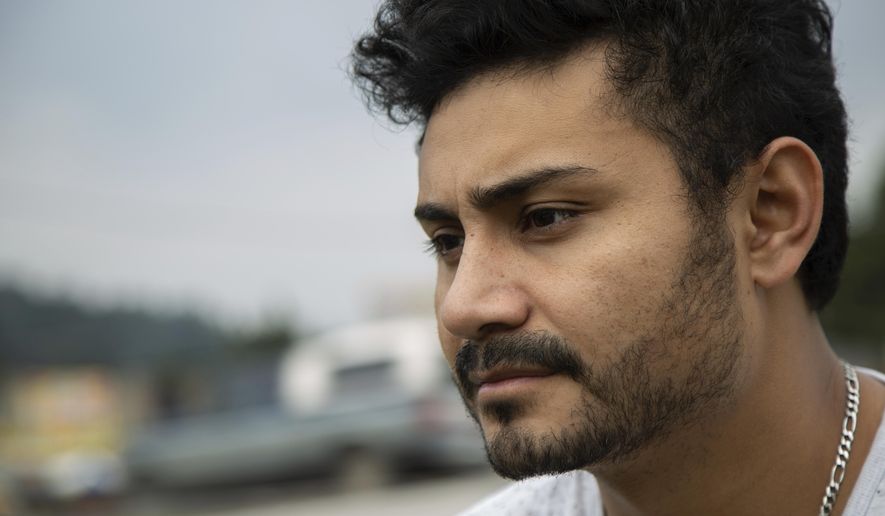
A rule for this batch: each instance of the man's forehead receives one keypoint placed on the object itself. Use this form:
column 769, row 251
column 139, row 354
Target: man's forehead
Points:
column 495, row 129
column 574, row 85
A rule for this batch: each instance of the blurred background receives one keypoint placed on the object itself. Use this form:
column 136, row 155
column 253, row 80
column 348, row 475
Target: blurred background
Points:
column 213, row 298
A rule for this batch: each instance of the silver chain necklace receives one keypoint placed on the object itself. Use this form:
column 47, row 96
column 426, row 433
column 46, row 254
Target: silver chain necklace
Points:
column 849, row 424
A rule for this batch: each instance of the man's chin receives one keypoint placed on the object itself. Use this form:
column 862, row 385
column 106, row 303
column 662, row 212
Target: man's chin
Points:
column 516, row 452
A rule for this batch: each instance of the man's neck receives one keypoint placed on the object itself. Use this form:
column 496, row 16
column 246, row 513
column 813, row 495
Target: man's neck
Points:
column 770, row 452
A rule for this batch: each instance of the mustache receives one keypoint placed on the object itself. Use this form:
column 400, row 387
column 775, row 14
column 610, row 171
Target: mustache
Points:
column 529, row 349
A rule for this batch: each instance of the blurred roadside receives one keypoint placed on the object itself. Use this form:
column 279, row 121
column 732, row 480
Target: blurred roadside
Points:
column 77, row 384
column 110, row 412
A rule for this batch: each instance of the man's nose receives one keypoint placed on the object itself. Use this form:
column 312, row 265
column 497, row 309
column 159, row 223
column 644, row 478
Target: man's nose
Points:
column 485, row 296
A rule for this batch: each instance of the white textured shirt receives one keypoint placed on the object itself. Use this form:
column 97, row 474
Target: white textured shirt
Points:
column 576, row 493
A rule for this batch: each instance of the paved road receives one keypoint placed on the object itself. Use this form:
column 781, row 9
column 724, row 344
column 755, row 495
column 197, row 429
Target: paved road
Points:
column 440, row 497
column 432, row 497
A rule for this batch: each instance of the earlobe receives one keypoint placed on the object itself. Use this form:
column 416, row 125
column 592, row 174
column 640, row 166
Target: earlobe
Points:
column 786, row 202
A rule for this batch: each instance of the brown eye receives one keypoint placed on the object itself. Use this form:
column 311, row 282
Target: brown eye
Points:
column 544, row 217
column 446, row 243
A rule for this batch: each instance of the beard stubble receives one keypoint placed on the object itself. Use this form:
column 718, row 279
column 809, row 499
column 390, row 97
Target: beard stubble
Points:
column 633, row 401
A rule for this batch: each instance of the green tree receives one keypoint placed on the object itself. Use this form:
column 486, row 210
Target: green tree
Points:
column 268, row 339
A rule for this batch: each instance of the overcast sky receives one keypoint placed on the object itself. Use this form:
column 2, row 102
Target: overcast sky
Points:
column 213, row 155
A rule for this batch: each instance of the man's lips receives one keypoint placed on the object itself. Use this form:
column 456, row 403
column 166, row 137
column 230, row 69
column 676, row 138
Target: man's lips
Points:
column 505, row 375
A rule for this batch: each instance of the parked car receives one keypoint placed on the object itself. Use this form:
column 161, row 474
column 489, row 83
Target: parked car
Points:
column 365, row 403
column 382, row 395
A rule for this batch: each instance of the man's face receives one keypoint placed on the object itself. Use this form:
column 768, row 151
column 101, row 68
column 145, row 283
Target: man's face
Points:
column 584, row 308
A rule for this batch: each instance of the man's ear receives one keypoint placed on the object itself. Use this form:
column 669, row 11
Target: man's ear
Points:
column 786, row 194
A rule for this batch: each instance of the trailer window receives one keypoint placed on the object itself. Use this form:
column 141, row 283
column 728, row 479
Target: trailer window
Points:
column 364, row 378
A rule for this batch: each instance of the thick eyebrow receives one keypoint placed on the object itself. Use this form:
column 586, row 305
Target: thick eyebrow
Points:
column 486, row 197
column 434, row 212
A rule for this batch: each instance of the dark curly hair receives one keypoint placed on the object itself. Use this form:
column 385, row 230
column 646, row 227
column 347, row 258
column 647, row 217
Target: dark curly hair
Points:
column 715, row 80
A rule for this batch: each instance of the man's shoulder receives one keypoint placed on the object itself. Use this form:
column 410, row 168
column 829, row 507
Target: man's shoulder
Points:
column 574, row 493
column 872, row 372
